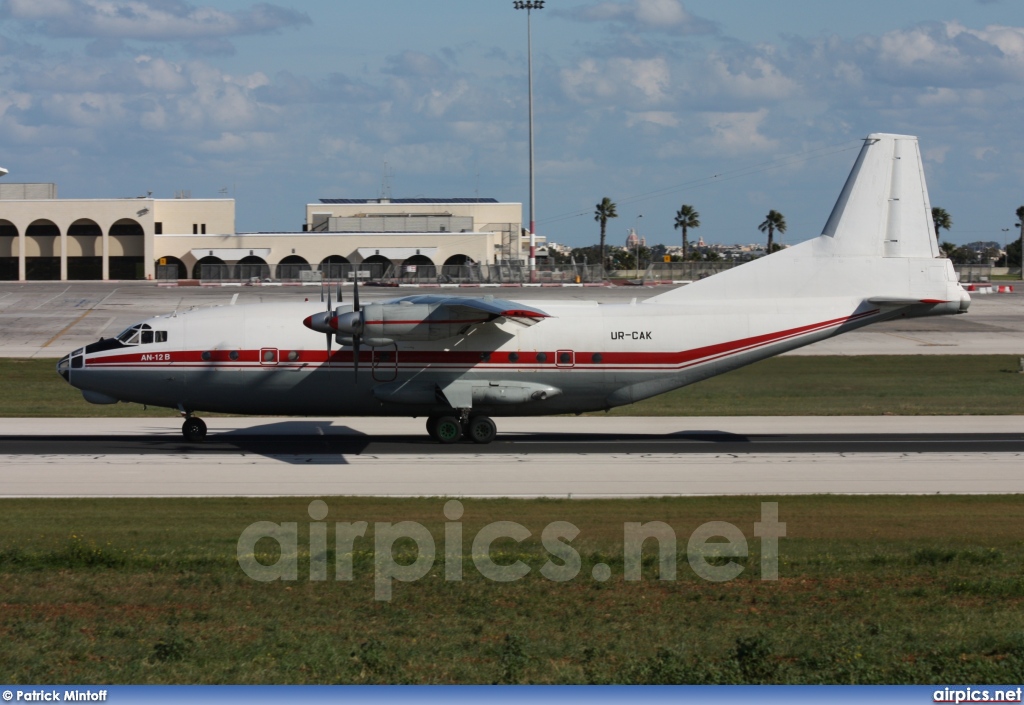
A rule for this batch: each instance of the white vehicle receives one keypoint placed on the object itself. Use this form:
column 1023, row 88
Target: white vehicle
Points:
column 458, row 361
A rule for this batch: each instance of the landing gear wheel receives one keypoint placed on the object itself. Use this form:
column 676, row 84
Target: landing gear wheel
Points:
column 447, row 429
column 194, row 430
column 432, row 428
column 481, row 429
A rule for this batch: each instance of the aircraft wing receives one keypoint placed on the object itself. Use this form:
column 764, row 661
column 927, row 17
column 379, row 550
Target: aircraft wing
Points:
column 495, row 308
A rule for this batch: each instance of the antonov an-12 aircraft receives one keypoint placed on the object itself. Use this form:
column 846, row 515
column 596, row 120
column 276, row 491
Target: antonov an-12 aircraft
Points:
column 458, row 361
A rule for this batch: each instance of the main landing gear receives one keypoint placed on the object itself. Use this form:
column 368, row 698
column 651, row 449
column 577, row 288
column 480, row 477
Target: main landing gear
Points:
column 449, row 429
column 194, row 429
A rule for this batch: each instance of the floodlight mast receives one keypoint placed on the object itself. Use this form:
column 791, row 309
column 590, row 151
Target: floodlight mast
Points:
column 530, row 5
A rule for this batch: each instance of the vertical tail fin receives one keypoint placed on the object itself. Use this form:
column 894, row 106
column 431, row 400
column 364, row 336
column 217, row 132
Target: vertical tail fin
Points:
column 881, row 223
column 883, row 210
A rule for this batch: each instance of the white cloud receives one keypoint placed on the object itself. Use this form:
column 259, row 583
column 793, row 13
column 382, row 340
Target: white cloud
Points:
column 619, row 79
column 148, row 19
column 946, row 54
column 936, row 154
column 739, row 132
column 653, row 15
column 661, row 118
column 748, row 78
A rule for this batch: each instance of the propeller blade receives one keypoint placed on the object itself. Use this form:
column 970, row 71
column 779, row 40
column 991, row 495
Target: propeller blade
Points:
column 355, row 358
column 339, row 293
column 328, row 350
column 355, row 291
column 328, row 298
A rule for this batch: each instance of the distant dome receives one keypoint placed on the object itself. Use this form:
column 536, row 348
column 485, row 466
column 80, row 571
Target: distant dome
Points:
column 632, row 240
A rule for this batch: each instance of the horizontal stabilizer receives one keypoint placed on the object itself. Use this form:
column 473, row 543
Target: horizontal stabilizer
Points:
column 902, row 301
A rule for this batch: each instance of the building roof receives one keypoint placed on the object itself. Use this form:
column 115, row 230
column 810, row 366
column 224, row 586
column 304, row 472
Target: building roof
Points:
column 385, row 201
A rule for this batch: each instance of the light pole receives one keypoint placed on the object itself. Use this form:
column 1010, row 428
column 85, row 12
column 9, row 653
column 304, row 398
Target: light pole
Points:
column 636, row 231
column 529, row 5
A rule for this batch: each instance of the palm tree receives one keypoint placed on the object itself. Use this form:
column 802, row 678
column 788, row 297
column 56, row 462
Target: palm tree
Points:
column 942, row 220
column 602, row 212
column 774, row 221
column 1020, row 224
column 687, row 217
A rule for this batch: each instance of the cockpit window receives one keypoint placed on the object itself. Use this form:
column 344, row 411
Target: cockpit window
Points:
column 142, row 334
column 130, row 336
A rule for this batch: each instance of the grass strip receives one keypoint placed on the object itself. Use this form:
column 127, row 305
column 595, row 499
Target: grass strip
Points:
column 871, row 590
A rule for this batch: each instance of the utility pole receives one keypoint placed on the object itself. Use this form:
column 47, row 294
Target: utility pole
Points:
column 636, row 232
column 530, row 5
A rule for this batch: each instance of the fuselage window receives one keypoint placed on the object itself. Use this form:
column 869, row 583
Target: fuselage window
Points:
column 147, row 337
column 161, row 336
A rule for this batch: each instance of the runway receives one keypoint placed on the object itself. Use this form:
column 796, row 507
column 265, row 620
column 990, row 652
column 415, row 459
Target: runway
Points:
column 559, row 457
column 683, row 443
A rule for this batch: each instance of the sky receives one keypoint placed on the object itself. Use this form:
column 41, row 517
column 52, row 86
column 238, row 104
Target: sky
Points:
column 733, row 106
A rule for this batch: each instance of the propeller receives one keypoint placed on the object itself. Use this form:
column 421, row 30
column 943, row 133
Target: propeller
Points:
column 328, row 335
column 356, row 337
column 321, row 322
column 350, row 323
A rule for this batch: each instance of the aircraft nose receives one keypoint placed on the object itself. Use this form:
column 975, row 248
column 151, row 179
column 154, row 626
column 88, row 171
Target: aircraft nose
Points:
column 64, row 368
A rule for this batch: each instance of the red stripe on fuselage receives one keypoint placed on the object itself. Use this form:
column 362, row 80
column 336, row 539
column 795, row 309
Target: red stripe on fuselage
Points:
column 414, row 358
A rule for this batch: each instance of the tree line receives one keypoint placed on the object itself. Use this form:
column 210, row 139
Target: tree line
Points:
column 942, row 220
column 688, row 218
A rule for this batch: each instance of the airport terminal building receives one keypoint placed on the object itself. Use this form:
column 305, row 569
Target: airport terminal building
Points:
column 43, row 237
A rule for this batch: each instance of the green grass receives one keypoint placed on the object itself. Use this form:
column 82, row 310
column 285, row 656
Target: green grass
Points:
column 910, row 385
column 871, row 590
column 781, row 386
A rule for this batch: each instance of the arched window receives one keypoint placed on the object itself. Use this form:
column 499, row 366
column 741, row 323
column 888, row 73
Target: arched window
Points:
column 127, row 249
column 376, row 265
column 291, row 268
column 171, row 269
column 85, row 250
column 8, row 251
column 335, row 267
column 252, row 267
column 210, row 269
column 457, row 261
column 42, row 251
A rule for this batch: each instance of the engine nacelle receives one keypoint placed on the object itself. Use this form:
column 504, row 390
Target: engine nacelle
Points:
column 408, row 321
column 466, row 393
